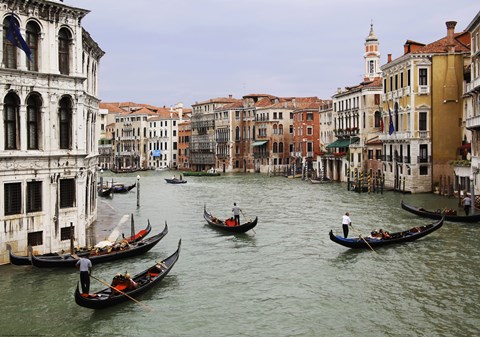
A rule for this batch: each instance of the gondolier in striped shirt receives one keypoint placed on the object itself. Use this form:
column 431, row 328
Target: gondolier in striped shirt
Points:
column 345, row 223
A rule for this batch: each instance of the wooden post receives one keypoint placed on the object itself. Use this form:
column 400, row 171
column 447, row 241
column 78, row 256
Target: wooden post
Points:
column 138, row 191
column 71, row 238
column 459, row 194
column 132, row 227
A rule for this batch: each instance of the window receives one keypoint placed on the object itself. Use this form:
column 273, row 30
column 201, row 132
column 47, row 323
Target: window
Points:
column 280, row 147
column 309, row 130
column 35, row 238
column 275, row 148
column 370, row 154
column 67, row 193
column 33, row 33
column 34, row 196
column 13, row 198
column 422, row 121
column 422, row 76
column 378, row 119
column 11, row 121
column 66, row 233
column 64, row 39
column 371, row 67
column 65, row 115
column 33, row 122
column 408, row 77
column 423, row 170
column 9, row 50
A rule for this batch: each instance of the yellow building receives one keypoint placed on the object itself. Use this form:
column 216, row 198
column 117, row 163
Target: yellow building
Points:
column 422, row 112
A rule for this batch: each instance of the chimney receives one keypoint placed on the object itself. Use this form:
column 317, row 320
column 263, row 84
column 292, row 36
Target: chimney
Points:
column 389, row 58
column 450, row 33
column 230, row 96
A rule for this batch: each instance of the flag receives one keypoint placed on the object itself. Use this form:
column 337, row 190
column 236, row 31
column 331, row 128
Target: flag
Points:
column 14, row 36
column 391, row 128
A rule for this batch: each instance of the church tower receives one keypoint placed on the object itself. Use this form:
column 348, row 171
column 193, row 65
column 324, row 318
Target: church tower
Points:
column 372, row 56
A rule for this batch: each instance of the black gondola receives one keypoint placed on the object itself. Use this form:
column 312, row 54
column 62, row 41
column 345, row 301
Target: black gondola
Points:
column 105, row 192
column 224, row 225
column 439, row 213
column 398, row 237
column 122, row 188
column 135, row 249
column 145, row 281
column 175, row 181
column 26, row 260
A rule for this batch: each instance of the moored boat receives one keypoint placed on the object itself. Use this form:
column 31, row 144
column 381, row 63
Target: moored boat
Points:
column 367, row 242
column 175, row 181
column 209, row 173
column 99, row 256
column 122, row 188
column 26, row 260
column 229, row 224
column 105, row 192
column 449, row 215
column 144, row 280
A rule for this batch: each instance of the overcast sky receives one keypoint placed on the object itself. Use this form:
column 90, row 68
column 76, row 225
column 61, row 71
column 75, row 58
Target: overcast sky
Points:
column 163, row 52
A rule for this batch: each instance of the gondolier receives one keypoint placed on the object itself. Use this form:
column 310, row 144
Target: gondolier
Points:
column 345, row 223
column 85, row 267
column 467, row 203
column 236, row 213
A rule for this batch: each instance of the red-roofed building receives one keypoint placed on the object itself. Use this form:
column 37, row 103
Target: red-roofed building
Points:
column 422, row 113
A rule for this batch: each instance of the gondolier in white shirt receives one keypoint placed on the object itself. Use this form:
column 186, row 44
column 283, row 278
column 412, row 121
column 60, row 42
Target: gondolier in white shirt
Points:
column 345, row 223
column 236, row 213
column 85, row 266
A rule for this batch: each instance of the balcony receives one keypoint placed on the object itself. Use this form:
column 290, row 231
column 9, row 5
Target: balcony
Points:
column 423, row 90
column 407, row 91
column 473, row 122
column 407, row 159
column 422, row 134
column 475, row 84
column 424, row 159
column 396, row 136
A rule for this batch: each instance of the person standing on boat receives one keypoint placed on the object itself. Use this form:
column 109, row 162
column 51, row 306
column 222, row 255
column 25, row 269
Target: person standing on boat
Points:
column 85, row 266
column 345, row 223
column 236, row 213
column 467, row 203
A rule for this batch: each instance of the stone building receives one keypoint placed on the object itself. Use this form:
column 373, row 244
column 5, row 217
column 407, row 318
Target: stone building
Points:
column 49, row 104
column 422, row 112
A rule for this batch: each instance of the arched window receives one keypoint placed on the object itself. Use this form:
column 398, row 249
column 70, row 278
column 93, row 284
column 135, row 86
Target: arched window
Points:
column 9, row 49
column 11, row 109
column 237, row 133
column 64, row 40
column 378, row 118
column 275, row 147
column 33, row 34
column 280, row 129
column 280, row 147
column 33, row 122
column 65, row 119
column 275, row 129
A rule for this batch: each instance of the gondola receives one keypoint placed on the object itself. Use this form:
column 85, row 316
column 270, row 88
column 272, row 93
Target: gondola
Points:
column 122, row 188
column 145, row 280
column 438, row 214
column 398, row 237
column 68, row 260
column 228, row 225
column 105, row 192
column 175, row 181
column 26, row 261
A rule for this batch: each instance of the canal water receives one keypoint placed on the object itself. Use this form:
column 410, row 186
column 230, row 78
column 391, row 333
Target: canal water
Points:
column 284, row 279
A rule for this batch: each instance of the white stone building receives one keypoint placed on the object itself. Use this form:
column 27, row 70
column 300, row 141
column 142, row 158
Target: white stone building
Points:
column 49, row 108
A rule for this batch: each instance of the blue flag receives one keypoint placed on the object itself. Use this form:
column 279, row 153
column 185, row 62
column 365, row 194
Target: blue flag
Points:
column 391, row 128
column 14, row 36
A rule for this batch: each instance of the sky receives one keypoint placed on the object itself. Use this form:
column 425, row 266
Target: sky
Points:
column 162, row 52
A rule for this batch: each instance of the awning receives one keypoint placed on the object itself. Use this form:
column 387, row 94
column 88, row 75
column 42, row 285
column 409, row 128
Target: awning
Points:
column 260, row 143
column 343, row 142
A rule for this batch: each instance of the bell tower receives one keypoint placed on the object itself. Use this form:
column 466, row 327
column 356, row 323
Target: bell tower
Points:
column 372, row 56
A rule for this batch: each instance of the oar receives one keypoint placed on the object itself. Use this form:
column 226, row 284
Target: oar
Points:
column 249, row 219
column 121, row 292
column 361, row 237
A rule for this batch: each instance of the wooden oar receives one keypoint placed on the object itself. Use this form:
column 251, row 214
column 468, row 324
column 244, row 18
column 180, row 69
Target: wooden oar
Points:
column 121, row 292
column 249, row 220
column 361, row 237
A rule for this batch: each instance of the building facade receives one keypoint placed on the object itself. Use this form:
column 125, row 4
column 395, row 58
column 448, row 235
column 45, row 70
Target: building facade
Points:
column 48, row 154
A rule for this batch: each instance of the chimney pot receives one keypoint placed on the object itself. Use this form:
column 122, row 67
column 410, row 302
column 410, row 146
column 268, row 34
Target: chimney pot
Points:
column 389, row 58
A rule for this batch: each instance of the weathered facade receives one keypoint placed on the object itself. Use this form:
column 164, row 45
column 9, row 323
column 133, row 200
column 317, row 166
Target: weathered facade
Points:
column 48, row 154
column 423, row 109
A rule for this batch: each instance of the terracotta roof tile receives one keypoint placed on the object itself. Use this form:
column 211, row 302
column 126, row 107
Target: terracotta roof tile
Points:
column 440, row 46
